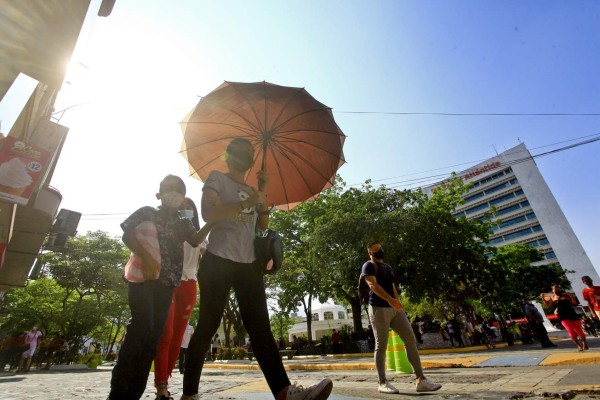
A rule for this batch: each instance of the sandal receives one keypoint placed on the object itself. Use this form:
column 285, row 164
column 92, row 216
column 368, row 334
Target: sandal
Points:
column 162, row 392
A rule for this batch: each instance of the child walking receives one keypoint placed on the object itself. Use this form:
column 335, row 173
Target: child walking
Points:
column 150, row 294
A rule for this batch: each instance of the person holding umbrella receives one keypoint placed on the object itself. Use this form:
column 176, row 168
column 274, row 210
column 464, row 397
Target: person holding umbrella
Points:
column 236, row 210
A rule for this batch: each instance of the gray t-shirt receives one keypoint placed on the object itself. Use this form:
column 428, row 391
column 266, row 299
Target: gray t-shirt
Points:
column 233, row 237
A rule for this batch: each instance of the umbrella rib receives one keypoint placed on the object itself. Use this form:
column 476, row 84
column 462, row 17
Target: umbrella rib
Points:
column 259, row 128
column 250, row 128
column 282, row 145
column 285, row 193
column 289, row 100
column 286, row 154
column 302, row 114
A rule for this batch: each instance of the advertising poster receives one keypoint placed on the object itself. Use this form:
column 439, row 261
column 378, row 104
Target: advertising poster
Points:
column 21, row 166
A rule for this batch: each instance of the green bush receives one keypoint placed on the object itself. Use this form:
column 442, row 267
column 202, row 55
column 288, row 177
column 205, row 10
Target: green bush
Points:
column 238, row 353
column 231, row 353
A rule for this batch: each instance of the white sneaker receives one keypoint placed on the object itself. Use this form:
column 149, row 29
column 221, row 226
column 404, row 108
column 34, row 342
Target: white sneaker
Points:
column 319, row 391
column 387, row 387
column 427, row 386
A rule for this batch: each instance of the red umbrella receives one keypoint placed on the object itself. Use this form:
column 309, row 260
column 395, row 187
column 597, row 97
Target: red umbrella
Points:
column 295, row 137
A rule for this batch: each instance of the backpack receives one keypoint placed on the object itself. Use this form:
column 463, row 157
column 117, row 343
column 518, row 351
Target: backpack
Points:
column 363, row 287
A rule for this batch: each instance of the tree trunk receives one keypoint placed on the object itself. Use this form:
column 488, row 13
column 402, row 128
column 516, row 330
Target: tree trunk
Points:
column 356, row 317
column 308, row 311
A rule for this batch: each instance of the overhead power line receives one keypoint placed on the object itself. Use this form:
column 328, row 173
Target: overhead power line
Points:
column 474, row 114
column 422, row 181
column 431, row 179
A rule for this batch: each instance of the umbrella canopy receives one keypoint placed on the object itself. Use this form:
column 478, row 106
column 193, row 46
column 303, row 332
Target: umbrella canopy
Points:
column 295, row 138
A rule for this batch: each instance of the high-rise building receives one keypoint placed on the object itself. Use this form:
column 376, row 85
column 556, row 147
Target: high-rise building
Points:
column 526, row 211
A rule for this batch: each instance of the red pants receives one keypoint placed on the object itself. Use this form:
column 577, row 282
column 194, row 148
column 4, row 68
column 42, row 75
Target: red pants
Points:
column 182, row 305
column 573, row 328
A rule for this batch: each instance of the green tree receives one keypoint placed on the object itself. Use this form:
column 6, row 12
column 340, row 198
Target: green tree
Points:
column 513, row 278
column 301, row 277
column 40, row 302
column 90, row 271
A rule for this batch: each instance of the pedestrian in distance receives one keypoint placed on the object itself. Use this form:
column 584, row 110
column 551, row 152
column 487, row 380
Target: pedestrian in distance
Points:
column 370, row 337
column 385, row 312
column 564, row 302
column 237, row 210
column 588, row 326
column 335, row 342
column 31, row 342
column 591, row 294
column 187, row 335
column 155, row 237
column 214, row 346
column 536, row 322
column 457, row 333
column 182, row 305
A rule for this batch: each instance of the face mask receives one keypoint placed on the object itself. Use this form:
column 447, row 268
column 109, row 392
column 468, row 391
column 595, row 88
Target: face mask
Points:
column 171, row 199
column 378, row 254
column 186, row 214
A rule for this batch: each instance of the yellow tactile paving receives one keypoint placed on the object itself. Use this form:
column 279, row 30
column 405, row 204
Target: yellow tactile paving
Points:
column 323, row 367
column 571, row 359
column 454, row 362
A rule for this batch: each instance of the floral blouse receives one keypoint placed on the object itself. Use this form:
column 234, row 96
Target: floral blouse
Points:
column 172, row 232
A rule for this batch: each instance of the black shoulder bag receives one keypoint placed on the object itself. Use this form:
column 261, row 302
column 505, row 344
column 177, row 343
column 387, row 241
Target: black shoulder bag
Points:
column 268, row 248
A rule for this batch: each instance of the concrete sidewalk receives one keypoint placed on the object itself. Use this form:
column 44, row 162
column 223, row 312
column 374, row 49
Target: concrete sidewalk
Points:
column 516, row 372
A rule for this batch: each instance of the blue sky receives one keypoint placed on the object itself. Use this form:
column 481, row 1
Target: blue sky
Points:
column 147, row 63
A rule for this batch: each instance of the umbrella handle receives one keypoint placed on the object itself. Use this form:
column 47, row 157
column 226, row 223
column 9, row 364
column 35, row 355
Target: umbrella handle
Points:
column 263, row 167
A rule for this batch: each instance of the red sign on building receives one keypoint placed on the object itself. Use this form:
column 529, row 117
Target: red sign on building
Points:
column 21, row 166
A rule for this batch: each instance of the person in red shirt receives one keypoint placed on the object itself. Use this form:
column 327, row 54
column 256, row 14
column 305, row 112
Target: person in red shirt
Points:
column 591, row 294
column 335, row 341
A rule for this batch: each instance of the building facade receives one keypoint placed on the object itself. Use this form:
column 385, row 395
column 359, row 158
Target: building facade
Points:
column 37, row 41
column 526, row 211
column 325, row 318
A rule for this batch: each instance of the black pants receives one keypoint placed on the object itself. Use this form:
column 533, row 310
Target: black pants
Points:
column 542, row 334
column 215, row 278
column 149, row 303
column 182, row 352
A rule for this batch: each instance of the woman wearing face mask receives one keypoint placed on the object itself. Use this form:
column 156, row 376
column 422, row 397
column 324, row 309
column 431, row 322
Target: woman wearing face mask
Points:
column 236, row 209
column 182, row 305
column 150, row 292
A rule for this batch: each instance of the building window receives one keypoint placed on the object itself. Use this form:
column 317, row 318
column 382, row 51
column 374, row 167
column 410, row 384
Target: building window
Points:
column 496, row 188
column 508, row 209
column 315, row 317
column 512, row 221
column 497, row 240
column 341, row 315
column 502, row 198
column 476, row 208
column 327, row 315
column 517, row 234
column 549, row 255
column 474, row 197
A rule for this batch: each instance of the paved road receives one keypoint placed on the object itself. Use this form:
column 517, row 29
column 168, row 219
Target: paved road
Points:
column 486, row 381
